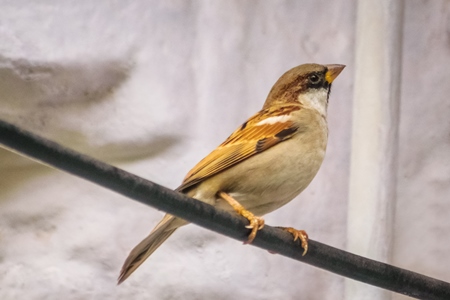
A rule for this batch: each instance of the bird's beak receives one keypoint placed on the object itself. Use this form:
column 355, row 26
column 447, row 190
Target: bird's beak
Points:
column 333, row 72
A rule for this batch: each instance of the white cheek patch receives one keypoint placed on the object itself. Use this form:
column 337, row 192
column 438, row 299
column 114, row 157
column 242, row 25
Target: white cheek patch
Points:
column 273, row 120
column 316, row 100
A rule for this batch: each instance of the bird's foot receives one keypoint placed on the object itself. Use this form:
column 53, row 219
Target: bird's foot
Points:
column 256, row 223
column 298, row 234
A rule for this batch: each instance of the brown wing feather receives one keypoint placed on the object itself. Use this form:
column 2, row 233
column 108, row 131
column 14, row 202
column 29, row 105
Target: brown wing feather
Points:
column 246, row 141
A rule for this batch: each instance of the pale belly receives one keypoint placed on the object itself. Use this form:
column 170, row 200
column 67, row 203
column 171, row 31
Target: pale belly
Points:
column 266, row 182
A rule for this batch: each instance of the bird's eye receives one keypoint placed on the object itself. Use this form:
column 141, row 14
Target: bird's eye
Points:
column 314, row 78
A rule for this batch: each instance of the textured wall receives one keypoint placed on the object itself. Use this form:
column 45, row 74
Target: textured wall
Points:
column 153, row 86
column 422, row 220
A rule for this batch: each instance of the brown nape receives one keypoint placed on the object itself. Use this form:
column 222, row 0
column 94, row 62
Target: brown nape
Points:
column 291, row 83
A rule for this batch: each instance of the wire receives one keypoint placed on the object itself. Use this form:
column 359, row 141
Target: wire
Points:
column 270, row 238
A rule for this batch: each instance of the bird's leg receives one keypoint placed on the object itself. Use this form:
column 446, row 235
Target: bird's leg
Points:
column 298, row 234
column 256, row 223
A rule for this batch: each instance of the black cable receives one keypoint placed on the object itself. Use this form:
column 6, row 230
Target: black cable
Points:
column 270, row 238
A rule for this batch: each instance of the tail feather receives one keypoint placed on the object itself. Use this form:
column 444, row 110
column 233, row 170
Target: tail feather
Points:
column 146, row 247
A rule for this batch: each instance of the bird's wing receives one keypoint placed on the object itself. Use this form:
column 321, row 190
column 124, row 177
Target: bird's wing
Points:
column 262, row 131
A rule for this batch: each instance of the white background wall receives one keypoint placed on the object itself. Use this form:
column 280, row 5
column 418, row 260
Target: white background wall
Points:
column 152, row 87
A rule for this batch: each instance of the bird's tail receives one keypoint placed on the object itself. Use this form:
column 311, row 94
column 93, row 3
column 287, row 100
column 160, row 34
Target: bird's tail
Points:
column 144, row 249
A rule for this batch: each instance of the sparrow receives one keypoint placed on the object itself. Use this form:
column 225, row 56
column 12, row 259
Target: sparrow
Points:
column 270, row 159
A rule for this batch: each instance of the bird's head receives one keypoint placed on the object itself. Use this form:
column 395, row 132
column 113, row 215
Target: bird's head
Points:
column 307, row 84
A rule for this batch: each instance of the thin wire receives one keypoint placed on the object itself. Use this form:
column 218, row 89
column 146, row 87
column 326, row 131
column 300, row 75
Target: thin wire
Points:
column 276, row 240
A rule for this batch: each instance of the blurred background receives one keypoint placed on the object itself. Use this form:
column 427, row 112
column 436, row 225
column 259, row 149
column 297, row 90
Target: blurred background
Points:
column 154, row 86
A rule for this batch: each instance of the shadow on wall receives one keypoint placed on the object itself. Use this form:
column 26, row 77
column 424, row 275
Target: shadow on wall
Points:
column 35, row 83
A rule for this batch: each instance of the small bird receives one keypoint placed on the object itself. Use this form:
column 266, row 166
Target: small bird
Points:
column 264, row 164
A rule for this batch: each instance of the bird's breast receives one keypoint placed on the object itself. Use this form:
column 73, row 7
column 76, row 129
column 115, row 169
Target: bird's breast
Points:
column 270, row 179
